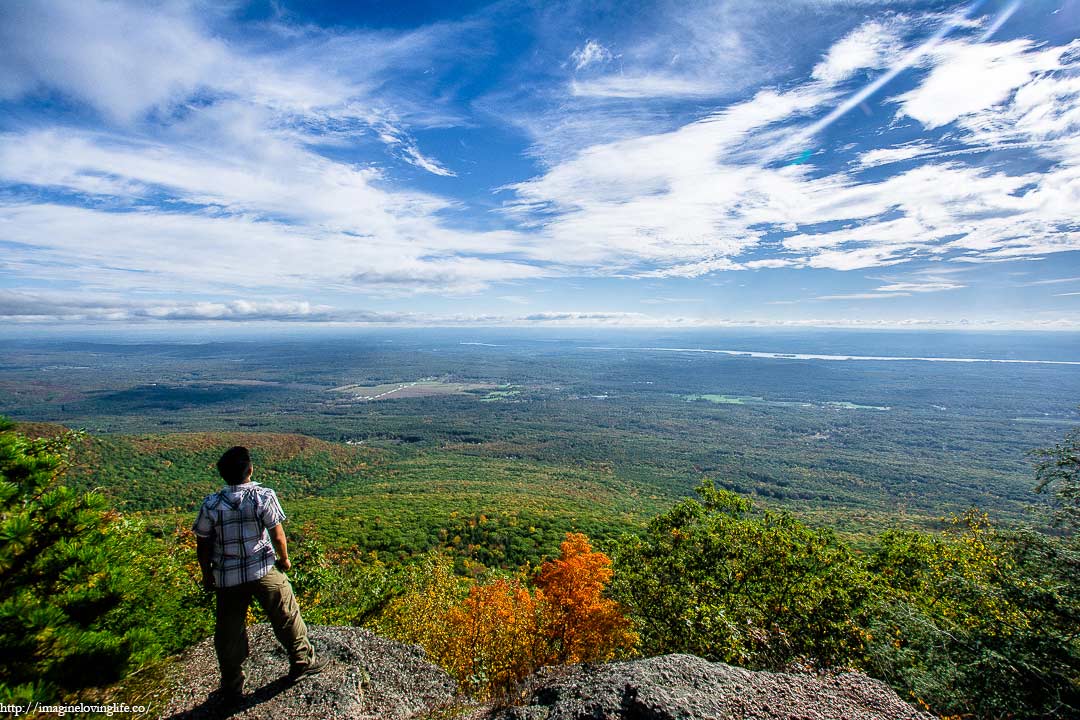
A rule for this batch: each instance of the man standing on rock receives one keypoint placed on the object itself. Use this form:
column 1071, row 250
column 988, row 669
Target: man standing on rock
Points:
column 243, row 555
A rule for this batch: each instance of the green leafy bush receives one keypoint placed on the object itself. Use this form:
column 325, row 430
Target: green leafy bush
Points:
column 979, row 621
column 762, row 590
column 1058, row 473
column 340, row 586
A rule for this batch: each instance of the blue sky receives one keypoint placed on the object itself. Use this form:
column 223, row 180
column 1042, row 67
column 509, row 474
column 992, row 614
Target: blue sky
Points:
column 679, row 164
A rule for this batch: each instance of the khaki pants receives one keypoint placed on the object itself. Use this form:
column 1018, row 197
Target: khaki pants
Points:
column 274, row 594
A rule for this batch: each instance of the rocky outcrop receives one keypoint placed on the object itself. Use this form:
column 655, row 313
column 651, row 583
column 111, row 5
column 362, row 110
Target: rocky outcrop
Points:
column 371, row 677
column 684, row 687
column 368, row 678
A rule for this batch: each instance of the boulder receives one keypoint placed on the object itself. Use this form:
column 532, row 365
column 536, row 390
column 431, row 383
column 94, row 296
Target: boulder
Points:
column 368, row 677
column 685, row 687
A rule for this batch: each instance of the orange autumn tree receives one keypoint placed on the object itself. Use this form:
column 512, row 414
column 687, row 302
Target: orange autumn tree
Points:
column 497, row 636
column 580, row 623
column 504, row 630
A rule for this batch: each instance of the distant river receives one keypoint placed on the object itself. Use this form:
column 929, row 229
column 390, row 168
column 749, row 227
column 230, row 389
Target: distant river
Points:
column 804, row 356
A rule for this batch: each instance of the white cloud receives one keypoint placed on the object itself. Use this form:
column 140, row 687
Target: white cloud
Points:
column 414, row 157
column 591, row 53
column 213, row 159
column 164, row 63
column 772, row 263
column 692, row 270
column 970, row 77
column 35, row 307
column 860, row 258
column 562, row 317
column 1042, row 114
column 121, row 59
column 159, row 251
column 395, row 137
column 637, row 87
column 899, row 289
column 885, row 156
column 692, row 201
column 924, row 286
column 670, row 198
column 863, row 296
column 871, row 46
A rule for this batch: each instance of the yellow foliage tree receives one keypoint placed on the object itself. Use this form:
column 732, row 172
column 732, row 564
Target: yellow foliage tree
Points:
column 419, row 615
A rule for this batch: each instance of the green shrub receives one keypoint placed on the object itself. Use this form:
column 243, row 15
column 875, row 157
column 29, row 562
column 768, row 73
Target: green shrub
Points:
column 978, row 621
column 762, row 590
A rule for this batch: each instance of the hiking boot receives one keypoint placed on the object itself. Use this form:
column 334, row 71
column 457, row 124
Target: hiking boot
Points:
column 228, row 696
column 316, row 666
column 233, row 687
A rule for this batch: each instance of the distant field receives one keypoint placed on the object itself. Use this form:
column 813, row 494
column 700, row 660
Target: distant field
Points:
column 724, row 399
column 748, row 400
column 416, row 389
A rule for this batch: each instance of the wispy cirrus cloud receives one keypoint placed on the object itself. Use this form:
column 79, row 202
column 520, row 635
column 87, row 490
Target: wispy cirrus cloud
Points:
column 209, row 150
column 925, row 286
column 591, row 53
column 638, row 87
column 699, row 199
column 931, row 281
column 968, row 78
column 154, row 251
column 871, row 46
column 181, row 149
column 864, row 296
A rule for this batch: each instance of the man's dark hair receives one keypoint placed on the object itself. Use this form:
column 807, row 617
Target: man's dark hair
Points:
column 234, row 464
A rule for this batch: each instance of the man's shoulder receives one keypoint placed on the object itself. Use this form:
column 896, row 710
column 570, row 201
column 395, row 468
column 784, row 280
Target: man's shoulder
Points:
column 264, row 491
column 211, row 501
column 262, row 497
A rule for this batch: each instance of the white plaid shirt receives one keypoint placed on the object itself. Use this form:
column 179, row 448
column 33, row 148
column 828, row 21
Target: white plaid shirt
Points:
column 236, row 517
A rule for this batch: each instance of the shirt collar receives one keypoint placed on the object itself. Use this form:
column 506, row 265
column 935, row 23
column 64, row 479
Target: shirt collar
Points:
column 233, row 494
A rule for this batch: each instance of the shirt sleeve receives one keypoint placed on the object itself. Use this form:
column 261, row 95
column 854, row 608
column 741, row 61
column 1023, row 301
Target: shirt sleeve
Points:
column 271, row 514
column 204, row 523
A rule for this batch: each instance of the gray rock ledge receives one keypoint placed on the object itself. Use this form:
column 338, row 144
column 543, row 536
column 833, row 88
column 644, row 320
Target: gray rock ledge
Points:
column 372, row 678
column 685, row 687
